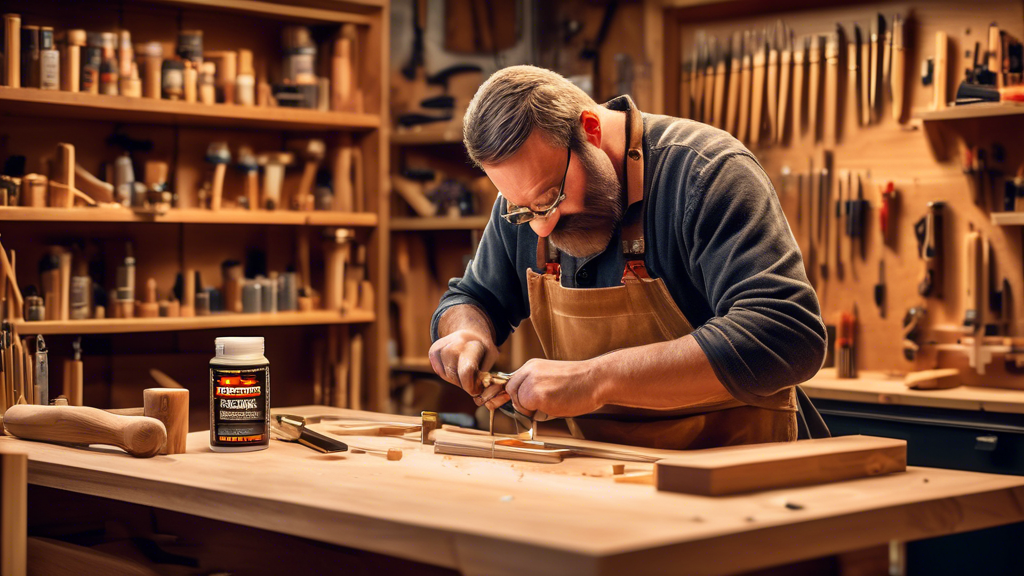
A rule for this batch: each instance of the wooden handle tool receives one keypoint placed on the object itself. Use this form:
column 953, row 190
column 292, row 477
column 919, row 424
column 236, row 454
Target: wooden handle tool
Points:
column 814, row 91
column 972, row 292
column 995, row 54
column 12, row 50
column 799, row 88
column 865, row 78
column 137, row 435
column 698, row 83
column 831, row 109
column 743, row 130
column 718, row 108
column 343, row 192
column 941, row 77
column 874, row 64
column 709, row 82
column 758, row 89
column 852, row 77
column 686, row 87
column 773, row 81
column 898, row 68
column 733, row 99
column 785, row 75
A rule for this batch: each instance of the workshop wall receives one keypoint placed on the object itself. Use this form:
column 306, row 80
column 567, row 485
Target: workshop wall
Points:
column 922, row 160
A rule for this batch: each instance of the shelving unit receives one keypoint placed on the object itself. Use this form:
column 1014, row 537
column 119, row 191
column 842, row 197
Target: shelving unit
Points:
column 190, row 237
column 971, row 111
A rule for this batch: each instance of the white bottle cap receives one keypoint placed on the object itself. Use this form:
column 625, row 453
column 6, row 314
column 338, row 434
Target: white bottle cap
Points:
column 239, row 346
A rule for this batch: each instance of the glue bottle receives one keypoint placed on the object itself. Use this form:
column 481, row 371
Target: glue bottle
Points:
column 239, row 395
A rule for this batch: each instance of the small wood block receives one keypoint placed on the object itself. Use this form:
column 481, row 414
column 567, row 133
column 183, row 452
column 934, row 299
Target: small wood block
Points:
column 170, row 406
column 618, row 469
column 939, row 379
column 394, row 454
column 736, row 469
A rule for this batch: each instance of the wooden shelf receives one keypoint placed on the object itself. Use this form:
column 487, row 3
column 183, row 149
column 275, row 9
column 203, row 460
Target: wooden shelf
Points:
column 339, row 12
column 969, row 111
column 439, row 223
column 449, row 136
column 1008, row 218
column 188, row 216
column 220, row 320
column 54, row 103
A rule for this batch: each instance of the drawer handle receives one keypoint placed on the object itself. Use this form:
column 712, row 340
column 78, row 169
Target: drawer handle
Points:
column 986, row 443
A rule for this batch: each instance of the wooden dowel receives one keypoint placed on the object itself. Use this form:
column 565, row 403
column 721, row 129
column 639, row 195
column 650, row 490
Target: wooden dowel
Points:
column 170, row 406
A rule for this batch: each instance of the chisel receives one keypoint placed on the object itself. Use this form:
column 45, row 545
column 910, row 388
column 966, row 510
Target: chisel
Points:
column 838, row 226
column 865, row 78
column 685, row 85
column 698, row 83
column 852, row 76
column 41, row 373
column 758, row 87
column 718, row 108
column 773, row 80
column 824, row 208
column 972, row 294
column 831, row 105
column 885, row 83
column 995, row 54
column 733, row 100
column 898, row 68
column 874, row 89
column 814, row 91
column 785, row 76
column 692, row 92
column 709, row 81
column 799, row 89
column 880, row 289
column 744, row 116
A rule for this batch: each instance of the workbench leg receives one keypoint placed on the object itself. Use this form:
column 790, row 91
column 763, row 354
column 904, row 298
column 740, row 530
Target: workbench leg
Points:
column 13, row 511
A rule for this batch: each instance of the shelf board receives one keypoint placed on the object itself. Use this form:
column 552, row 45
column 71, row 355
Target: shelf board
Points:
column 1008, row 218
column 341, row 10
column 56, row 103
column 440, row 223
column 220, row 320
column 984, row 110
column 449, row 136
column 188, row 216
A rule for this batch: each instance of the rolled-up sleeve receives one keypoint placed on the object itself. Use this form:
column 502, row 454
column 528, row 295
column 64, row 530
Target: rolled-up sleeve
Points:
column 491, row 281
column 766, row 333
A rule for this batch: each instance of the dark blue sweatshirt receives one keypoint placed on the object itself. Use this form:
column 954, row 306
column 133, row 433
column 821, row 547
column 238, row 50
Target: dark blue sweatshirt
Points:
column 714, row 232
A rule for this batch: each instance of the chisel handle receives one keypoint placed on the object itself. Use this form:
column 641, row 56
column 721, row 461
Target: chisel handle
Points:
column 137, row 435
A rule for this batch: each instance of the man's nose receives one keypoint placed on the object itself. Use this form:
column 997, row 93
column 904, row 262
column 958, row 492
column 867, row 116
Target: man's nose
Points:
column 544, row 226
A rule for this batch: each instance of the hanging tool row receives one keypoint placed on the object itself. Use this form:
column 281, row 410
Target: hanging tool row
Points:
column 745, row 85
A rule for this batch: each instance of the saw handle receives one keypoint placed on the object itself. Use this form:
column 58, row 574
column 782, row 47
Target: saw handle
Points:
column 137, row 435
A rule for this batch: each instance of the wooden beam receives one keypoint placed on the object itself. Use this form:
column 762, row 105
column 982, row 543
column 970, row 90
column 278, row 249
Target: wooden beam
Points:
column 736, row 469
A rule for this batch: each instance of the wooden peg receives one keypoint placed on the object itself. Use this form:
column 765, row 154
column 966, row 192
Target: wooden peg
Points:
column 12, row 50
column 188, row 294
column 149, row 308
column 170, row 406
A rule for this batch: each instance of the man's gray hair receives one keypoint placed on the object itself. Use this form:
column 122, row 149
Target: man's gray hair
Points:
column 514, row 101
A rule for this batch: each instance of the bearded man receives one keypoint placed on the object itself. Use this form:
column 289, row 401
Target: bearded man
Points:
column 652, row 257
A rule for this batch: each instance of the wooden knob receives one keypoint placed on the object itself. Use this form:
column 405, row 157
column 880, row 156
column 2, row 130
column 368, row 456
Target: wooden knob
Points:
column 137, row 435
column 170, row 406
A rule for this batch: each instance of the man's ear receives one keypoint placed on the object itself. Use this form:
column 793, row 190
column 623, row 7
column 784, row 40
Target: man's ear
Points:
column 591, row 124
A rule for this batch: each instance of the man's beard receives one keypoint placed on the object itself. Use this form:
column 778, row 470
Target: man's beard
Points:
column 588, row 232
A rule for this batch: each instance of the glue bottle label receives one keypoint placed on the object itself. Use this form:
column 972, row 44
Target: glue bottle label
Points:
column 239, row 403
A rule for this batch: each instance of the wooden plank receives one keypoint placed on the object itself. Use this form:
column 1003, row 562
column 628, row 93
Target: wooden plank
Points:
column 53, row 103
column 490, row 507
column 877, row 388
column 984, row 110
column 737, row 469
column 338, row 10
column 126, row 325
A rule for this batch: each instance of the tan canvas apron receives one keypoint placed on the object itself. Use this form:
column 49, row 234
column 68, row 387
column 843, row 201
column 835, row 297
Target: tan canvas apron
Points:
column 579, row 324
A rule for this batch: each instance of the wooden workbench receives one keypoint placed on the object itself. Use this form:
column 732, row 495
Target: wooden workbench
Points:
column 878, row 388
column 483, row 516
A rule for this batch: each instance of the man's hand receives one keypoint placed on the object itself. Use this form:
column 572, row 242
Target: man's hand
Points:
column 559, row 389
column 458, row 356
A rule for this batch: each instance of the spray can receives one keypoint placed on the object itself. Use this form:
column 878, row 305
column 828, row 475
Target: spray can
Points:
column 239, row 395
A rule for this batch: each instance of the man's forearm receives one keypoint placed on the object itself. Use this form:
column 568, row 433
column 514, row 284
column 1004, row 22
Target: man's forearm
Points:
column 465, row 317
column 661, row 376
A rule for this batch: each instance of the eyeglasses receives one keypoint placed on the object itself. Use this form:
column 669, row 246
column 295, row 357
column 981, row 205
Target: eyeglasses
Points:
column 543, row 206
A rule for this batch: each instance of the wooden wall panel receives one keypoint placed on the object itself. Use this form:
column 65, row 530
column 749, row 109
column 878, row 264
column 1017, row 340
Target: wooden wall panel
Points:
column 900, row 153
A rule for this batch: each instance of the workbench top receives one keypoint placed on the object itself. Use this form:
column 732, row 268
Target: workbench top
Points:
column 485, row 516
column 879, row 388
